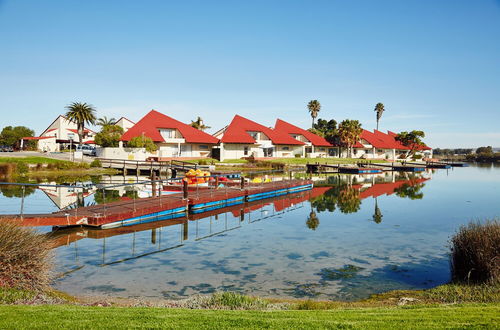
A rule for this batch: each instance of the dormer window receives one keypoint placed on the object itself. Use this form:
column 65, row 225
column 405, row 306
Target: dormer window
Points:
column 254, row 135
column 167, row 133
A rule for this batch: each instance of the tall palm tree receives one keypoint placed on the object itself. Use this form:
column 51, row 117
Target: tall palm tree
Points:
column 350, row 133
column 379, row 109
column 314, row 107
column 81, row 114
column 104, row 121
column 198, row 124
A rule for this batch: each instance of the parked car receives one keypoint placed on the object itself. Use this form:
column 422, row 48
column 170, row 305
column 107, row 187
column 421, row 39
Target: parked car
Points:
column 86, row 150
column 6, row 149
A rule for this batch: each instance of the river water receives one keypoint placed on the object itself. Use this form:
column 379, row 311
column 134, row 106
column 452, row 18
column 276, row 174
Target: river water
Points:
column 351, row 236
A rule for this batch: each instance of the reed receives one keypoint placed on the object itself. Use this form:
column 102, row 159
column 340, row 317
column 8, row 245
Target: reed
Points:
column 475, row 253
column 25, row 257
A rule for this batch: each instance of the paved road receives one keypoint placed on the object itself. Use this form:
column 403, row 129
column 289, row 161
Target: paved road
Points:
column 54, row 155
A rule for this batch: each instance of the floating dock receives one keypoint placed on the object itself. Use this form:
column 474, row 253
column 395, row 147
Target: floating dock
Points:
column 359, row 170
column 129, row 212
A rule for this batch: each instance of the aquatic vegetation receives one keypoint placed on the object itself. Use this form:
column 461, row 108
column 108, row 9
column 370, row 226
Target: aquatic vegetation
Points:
column 332, row 274
column 475, row 253
column 25, row 257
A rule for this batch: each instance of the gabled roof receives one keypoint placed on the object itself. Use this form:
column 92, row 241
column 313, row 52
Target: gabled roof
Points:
column 124, row 118
column 237, row 132
column 150, row 126
column 374, row 140
column 287, row 128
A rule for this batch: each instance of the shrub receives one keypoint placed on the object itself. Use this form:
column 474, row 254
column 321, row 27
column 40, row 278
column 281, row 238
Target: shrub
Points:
column 298, row 156
column 475, row 253
column 143, row 142
column 202, row 162
column 96, row 163
column 233, row 300
column 25, row 257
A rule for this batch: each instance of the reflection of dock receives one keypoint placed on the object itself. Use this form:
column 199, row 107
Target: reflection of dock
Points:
column 172, row 234
column 138, row 210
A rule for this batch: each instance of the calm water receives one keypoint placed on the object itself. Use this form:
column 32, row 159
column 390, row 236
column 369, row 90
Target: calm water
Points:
column 348, row 238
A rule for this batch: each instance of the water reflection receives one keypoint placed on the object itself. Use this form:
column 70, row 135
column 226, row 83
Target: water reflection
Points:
column 347, row 238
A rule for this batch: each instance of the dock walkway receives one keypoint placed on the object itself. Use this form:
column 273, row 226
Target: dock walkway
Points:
column 132, row 211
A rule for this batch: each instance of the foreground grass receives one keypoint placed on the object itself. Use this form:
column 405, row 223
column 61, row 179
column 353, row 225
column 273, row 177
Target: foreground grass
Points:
column 68, row 316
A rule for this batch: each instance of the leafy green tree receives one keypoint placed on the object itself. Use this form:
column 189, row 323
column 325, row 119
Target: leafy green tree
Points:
column 199, row 124
column 10, row 136
column 326, row 129
column 143, row 142
column 104, row 121
column 81, row 114
column 379, row 109
column 412, row 140
column 484, row 150
column 349, row 133
column 109, row 136
column 312, row 221
column 314, row 107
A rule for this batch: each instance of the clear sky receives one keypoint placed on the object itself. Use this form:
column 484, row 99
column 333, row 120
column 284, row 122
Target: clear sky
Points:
column 435, row 64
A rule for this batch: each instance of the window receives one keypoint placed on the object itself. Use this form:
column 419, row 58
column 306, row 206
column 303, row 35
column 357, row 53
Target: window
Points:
column 321, row 149
column 380, row 151
column 254, row 135
column 245, row 151
column 167, row 133
column 203, row 147
column 355, row 151
column 285, row 148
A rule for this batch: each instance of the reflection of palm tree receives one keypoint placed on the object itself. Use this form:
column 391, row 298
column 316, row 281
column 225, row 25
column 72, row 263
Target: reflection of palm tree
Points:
column 312, row 221
column 377, row 215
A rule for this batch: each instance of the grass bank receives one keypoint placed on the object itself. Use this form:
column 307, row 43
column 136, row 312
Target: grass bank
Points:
column 67, row 316
column 34, row 166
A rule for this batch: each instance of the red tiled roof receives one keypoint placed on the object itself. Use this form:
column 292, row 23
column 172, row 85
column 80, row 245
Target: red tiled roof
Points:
column 89, row 142
column 237, row 132
column 37, row 137
column 288, row 128
column 150, row 124
column 374, row 140
column 76, row 131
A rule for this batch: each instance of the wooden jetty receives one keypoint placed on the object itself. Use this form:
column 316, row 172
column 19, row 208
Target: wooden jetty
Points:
column 149, row 167
column 128, row 212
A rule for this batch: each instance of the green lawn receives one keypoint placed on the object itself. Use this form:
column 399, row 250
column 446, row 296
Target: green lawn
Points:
column 303, row 161
column 31, row 160
column 68, row 316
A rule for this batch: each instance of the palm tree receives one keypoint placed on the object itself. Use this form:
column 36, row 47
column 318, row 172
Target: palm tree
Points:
column 198, row 124
column 350, row 133
column 104, row 121
column 379, row 109
column 314, row 107
column 81, row 114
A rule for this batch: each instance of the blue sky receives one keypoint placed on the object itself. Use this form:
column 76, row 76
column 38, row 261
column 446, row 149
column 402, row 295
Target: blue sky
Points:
column 435, row 64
